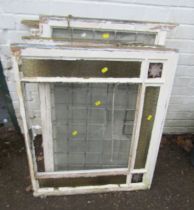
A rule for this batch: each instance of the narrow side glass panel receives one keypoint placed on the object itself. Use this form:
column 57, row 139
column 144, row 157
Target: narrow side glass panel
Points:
column 32, row 110
column 148, row 117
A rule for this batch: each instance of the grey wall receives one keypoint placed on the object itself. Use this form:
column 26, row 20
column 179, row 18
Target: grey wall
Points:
column 180, row 116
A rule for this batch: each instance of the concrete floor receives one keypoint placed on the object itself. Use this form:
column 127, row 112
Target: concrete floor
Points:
column 172, row 188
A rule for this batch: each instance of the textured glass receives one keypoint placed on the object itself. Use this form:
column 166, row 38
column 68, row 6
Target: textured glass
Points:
column 92, row 125
column 155, row 70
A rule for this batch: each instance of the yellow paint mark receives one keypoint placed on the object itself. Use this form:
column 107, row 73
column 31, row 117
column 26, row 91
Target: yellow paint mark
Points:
column 105, row 35
column 98, row 103
column 74, row 133
column 149, row 117
column 104, row 70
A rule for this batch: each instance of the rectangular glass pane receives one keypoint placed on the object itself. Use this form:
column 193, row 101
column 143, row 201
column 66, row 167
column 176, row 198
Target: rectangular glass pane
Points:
column 145, row 38
column 104, row 36
column 138, row 38
column 83, row 34
column 83, row 181
column 80, row 68
column 92, row 125
column 126, row 37
column 149, row 111
column 61, row 33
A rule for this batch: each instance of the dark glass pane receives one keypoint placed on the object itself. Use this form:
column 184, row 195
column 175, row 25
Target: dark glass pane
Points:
column 82, row 181
column 80, row 68
column 136, row 178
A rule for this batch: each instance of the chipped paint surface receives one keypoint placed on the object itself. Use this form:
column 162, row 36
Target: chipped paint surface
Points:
column 98, row 20
column 46, row 23
column 50, row 44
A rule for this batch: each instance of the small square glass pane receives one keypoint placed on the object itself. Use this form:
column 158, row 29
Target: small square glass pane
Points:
column 155, row 70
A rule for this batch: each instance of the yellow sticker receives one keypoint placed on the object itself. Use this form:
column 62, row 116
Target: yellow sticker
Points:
column 98, row 103
column 149, row 117
column 104, row 70
column 105, row 35
column 74, row 133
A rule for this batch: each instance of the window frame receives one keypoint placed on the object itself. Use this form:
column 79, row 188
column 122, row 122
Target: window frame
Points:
column 47, row 24
column 168, row 57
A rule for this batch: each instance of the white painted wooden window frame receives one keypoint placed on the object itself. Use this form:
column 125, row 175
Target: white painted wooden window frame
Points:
column 168, row 58
column 47, row 24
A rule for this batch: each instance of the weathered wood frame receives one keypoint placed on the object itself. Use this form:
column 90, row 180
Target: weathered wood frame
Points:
column 168, row 57
column 47, row 23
